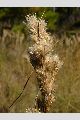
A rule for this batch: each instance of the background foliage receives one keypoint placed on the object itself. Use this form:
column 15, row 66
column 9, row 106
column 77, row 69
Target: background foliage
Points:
column 63, row 18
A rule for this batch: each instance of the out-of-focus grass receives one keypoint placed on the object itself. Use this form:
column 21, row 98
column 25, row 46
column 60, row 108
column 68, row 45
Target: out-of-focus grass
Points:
column 14, row 71
column 68, row 80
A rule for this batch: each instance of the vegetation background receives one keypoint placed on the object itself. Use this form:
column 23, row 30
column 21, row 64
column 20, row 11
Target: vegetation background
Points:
column 64, row 24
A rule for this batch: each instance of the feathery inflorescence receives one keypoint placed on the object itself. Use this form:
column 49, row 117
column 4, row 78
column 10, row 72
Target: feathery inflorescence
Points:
column 44, row 62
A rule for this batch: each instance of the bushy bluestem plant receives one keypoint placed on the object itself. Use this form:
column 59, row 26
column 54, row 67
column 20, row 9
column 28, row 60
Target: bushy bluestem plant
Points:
column 44, row 62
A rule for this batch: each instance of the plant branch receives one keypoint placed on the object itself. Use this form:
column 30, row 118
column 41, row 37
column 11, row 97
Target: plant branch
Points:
column 21, row 92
